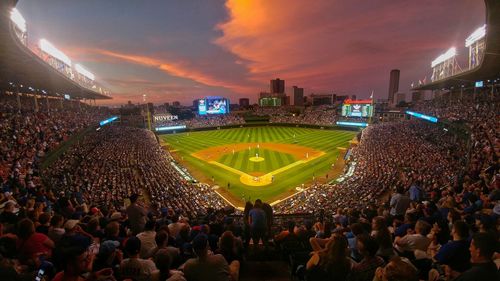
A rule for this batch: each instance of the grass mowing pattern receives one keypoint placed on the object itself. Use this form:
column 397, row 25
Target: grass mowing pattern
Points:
column 185, row 144
column 239, row 161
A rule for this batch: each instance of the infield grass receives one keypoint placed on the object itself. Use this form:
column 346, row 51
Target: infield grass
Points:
column 184, row 145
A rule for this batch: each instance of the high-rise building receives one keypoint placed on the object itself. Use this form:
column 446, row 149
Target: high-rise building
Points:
column 176, row 103
column 393, row 85
column 244, row 102
column 277, row 86
column 298, row 96
column 195, row 103
column 400, row 97
column 322, row 99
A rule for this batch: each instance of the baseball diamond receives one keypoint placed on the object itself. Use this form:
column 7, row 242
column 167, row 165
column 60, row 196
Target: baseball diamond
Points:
column 259, row 162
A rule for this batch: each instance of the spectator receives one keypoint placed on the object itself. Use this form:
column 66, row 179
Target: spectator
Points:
column 365, row 269
column 331, row 263
column 455, row 254
column 258, row 223
column 399, row 203
column 136, row 215
column 163, row 261
column 396, row 270
column 30, row 243
column 147, row 237
column 482, row 248
column 205, row 267
column 134, row 267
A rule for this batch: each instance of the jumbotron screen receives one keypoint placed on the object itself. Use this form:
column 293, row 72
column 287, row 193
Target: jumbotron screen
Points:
column 213, row 105
column 361, row 108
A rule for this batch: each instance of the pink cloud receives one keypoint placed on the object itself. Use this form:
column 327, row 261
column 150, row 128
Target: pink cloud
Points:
column 327, row 45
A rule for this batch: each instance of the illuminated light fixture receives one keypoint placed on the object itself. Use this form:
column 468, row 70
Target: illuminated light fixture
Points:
column 18, row 19
column 104, row 122
column 423, row 116
column 84, row 72
column 48, row 48
column 444, row 57
column 170, row 128
column 355, row 124
column 478, row 34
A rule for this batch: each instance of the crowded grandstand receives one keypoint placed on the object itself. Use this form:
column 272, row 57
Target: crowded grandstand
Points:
column 86, row 196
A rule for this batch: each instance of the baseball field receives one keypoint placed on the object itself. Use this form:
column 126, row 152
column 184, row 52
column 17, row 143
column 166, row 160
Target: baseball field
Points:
column 268, row 162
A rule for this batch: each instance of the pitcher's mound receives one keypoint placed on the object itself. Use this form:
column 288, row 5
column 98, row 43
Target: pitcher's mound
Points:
column 256, row 159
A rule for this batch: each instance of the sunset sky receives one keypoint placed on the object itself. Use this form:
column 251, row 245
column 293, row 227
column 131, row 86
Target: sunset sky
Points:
column 186, row 49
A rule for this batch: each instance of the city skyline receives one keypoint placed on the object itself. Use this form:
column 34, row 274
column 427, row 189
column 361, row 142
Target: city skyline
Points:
column 180, row 50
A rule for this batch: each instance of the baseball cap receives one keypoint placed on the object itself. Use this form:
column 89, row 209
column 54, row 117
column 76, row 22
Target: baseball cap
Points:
column 94, row 210
column 108, row 246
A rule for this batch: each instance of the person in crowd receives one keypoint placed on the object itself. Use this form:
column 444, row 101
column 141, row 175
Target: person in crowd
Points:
column 455, row 255
column 163, row 261
column 258, row 223
column 134, row 267
column 383, row 237
column 365, row 270
column 482, row 248
column 396, row 270
column 32, row 244
column 331, row 263
column 147, row 237
column 411, row 242
column 288, row 234
column 399, row 203
column 109, row 256
column 230, row 248
column 246, row 223
column 136, row 215
column 76, row 262
column 206, row 267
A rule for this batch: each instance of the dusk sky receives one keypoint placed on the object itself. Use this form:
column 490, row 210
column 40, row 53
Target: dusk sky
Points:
column 180, row 50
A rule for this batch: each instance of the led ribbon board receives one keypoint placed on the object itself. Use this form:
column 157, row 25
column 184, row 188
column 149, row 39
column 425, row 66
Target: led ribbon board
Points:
column 170, row 128
column 353, row 124
column 107, row 121
column 422, row 116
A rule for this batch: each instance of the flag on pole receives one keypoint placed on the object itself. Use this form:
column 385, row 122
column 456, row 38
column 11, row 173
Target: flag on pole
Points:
column 371, row 96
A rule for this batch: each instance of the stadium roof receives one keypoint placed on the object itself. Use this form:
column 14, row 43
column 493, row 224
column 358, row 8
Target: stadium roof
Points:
column 19, row 65
column 489, row 69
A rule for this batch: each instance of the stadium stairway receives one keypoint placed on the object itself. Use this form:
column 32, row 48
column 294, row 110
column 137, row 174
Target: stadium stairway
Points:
column 261, row 265
column 265, row 271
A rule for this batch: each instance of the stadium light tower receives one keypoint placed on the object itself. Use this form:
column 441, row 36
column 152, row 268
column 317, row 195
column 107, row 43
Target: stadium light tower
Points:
column 445, row 65
column 18, row 19
column 84, row 72
column 476, row 43
column 48, row 48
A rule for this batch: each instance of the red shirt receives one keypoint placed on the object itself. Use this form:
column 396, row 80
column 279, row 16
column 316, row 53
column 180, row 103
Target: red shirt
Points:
column 33, row 245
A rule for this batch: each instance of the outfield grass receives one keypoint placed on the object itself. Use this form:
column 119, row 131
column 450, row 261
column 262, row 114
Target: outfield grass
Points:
column 183, row 145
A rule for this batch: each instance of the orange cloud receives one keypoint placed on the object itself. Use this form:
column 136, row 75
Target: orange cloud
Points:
column 176, row 69
column 189, row 70
column 329, row 44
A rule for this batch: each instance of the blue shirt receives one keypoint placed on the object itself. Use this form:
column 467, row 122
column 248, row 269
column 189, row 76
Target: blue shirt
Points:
column 455, row 254
column 258, row 218
column 415, row 193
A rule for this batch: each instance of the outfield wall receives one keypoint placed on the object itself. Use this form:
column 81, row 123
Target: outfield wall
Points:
column 262, row 124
